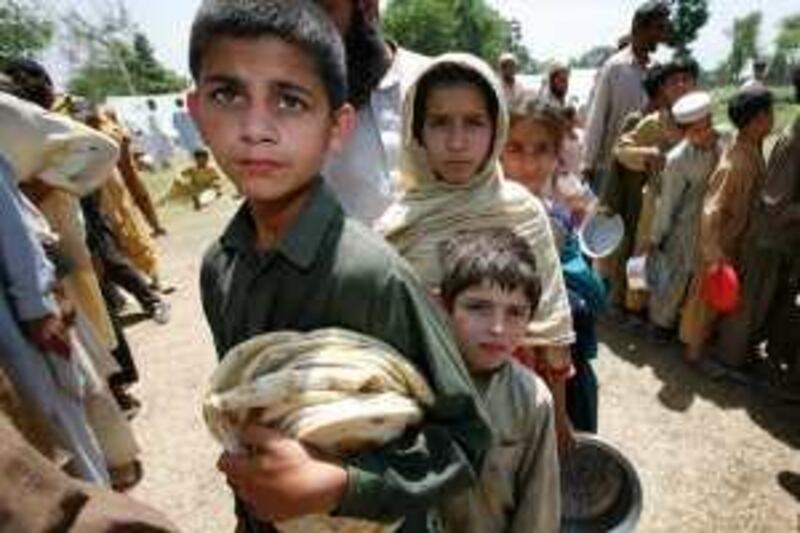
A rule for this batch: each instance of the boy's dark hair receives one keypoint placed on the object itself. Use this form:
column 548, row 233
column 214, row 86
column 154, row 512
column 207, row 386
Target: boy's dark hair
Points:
column 746, row 104
column 531, row 107
column 448, row 75
column 657, row 75
column 496, row 255
column 650, row 12
column 31, row 79
column 682, row 65
column 299, row 22
column 200, row 152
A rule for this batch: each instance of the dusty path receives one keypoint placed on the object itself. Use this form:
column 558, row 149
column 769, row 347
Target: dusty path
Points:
column 708, row 453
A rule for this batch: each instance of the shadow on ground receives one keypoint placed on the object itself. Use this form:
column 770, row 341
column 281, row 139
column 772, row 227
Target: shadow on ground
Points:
column 682, row 383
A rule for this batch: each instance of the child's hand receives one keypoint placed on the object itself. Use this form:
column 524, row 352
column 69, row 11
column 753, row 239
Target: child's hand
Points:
column 279, row 479
column 49, row 334
column 565, row 434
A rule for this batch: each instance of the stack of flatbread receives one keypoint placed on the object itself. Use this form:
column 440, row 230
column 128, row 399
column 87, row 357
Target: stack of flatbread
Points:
column 334, row 390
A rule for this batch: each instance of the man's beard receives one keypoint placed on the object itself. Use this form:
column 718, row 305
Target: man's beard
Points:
column 367, row 60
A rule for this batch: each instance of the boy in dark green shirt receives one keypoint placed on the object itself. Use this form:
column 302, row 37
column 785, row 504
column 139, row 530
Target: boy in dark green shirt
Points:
column 270, row 103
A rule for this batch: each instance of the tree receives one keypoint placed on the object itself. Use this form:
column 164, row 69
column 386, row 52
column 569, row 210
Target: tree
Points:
column 425, row 26
column 514, row 44
column 145, row 75
column 788, row 40
column 24, row 31
column 787, row 50
column 436, row 26
column 688, row 17
column 744, row 34
column 113, row 58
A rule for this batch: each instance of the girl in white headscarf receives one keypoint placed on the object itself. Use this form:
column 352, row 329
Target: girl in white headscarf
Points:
column 454, row 129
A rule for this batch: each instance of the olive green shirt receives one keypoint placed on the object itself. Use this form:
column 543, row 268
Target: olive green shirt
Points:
column 328, row 270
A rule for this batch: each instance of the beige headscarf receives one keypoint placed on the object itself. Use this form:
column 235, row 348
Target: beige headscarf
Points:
column 431, row 211
column 54, row 148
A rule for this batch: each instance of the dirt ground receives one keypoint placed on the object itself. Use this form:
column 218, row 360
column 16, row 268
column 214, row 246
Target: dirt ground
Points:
column 708, row 453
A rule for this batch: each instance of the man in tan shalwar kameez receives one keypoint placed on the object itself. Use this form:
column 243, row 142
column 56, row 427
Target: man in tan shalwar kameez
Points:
column 771, row 275
column 732, row 192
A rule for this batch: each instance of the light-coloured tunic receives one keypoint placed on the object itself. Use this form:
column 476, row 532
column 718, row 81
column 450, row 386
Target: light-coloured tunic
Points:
column 518, row 489
column 618, row 91
column 674, row 229
column 363, row 176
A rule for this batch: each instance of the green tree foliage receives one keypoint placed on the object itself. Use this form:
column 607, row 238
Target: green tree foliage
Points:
column 514, row 44
column 788, row 41
column 436, row 26
column 112, row 58
column 688, row 16
column 24, row 31
column 124, row 69
column 744, row 47
column 787, row 50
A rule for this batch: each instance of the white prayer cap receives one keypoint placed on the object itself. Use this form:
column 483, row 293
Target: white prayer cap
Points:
column 507, row 57
column 692, row 107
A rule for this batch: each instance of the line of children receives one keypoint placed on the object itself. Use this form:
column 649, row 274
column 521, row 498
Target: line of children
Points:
column 727, row 208
column 455, row 127
column 270, row 104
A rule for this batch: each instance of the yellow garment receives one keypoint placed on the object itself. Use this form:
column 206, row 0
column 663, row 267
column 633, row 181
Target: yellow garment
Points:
column 199, row 179
column 55, row 149
column 128, row 226
column 654, row 134
column 62, row 211
column 431, row 211
column 127, row 170
column 193, row 181
column 336, row 390
column 727, row 208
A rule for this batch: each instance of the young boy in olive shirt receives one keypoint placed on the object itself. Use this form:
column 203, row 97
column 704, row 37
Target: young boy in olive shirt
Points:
column 270, row 104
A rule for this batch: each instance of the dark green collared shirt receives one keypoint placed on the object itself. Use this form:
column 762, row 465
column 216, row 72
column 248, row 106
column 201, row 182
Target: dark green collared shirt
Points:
column 330, row 271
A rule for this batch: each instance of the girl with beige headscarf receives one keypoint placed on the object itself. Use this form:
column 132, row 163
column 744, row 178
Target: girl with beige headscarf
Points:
column 454, row 129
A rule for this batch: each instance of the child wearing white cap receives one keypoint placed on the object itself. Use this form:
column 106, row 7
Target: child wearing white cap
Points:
column 672, row 240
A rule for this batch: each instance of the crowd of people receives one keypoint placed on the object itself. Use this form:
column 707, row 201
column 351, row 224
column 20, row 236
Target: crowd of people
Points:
column 433, row 204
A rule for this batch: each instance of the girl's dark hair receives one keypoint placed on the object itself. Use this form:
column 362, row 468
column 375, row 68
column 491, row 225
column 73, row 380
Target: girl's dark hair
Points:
column 552, row 117
column 448, row 75
column 498, row 255
column 299, row 22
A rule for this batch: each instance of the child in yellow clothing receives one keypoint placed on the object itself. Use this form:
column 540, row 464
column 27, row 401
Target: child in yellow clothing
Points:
column 197, row 181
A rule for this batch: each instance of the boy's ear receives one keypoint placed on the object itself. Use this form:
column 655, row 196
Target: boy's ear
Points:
column 344, row 124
